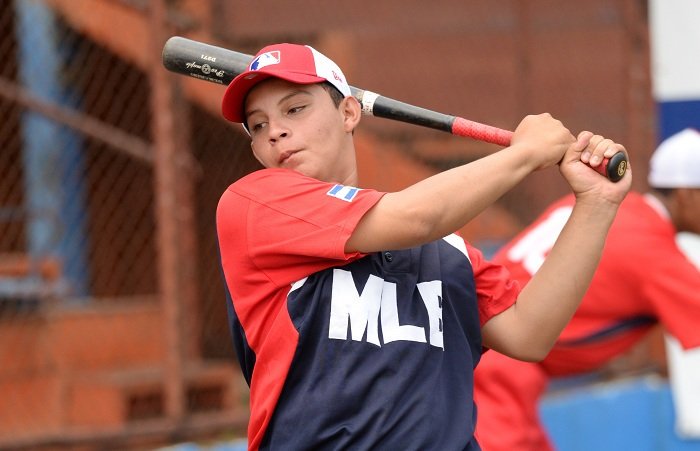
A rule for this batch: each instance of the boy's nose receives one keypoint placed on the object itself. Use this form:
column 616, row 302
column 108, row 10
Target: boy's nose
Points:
column 277, row 131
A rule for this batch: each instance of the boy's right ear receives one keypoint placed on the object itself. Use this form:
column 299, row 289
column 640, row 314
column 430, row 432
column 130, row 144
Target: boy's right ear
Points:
column 352, row 112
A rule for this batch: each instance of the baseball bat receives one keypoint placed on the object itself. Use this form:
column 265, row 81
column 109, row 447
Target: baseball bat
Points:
column 219, row 65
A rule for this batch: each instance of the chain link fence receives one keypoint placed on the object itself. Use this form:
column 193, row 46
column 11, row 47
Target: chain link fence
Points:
column 85, row 353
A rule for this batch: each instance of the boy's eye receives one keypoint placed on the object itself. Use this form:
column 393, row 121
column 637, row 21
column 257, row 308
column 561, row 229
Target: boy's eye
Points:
column 295, row 109
column 257, row 126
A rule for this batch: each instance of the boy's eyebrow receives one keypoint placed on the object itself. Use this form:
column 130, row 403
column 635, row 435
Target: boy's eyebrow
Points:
column 291, row 94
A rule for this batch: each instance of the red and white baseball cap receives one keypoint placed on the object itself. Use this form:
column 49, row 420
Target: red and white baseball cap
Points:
column 292, row 62
column 676, row 162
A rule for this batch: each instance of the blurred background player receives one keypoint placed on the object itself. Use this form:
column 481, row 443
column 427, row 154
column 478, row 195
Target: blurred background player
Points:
column 358, row 315
column 643, row 279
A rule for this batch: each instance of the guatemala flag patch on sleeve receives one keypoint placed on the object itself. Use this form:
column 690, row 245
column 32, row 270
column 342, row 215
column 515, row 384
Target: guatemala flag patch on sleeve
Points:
column 342, row 192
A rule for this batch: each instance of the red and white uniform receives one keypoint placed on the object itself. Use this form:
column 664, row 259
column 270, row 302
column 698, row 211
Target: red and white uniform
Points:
column 350, row 351
column 642, row 278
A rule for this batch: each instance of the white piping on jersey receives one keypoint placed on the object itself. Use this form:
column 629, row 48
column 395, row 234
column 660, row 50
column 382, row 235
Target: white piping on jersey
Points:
column 457, row 242
column 298, row 284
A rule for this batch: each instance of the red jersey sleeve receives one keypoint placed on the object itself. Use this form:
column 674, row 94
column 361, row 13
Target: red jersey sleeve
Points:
column 495, row 288
column 309, row 220
column 672, row 284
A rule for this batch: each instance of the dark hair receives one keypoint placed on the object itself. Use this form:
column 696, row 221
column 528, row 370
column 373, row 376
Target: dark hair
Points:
column 336, row 95
column 334, row 92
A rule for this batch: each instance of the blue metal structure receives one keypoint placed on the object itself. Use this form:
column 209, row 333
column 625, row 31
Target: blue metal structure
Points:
column 54, row 193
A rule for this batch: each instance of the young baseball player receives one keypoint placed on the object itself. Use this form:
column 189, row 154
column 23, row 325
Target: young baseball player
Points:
column 642, row 279
column 357, row 315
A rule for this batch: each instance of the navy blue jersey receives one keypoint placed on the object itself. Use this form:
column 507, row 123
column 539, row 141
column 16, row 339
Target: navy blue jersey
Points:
column 353, row 351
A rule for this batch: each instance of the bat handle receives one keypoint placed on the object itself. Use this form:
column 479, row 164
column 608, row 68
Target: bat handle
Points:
column 482, row 132
column 613, row 168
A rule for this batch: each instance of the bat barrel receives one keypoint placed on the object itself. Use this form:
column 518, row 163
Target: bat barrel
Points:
column 204, row 61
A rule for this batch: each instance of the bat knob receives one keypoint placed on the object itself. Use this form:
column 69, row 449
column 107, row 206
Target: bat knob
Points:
column 613, row 168
column 616, row 167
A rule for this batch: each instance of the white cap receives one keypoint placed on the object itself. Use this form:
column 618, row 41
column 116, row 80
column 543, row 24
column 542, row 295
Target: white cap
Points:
column 676, row 162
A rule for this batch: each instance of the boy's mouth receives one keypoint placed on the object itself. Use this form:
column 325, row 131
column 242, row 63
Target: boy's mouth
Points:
column 285, row 156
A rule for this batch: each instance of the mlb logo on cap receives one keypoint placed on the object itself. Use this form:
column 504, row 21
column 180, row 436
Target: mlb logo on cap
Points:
column 295, row 63
column 265, row 59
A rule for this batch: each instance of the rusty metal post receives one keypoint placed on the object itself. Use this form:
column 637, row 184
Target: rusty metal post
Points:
column 188, row 173
column 165, row 174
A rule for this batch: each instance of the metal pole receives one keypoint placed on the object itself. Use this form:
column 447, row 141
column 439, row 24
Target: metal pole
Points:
column 164, row 130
